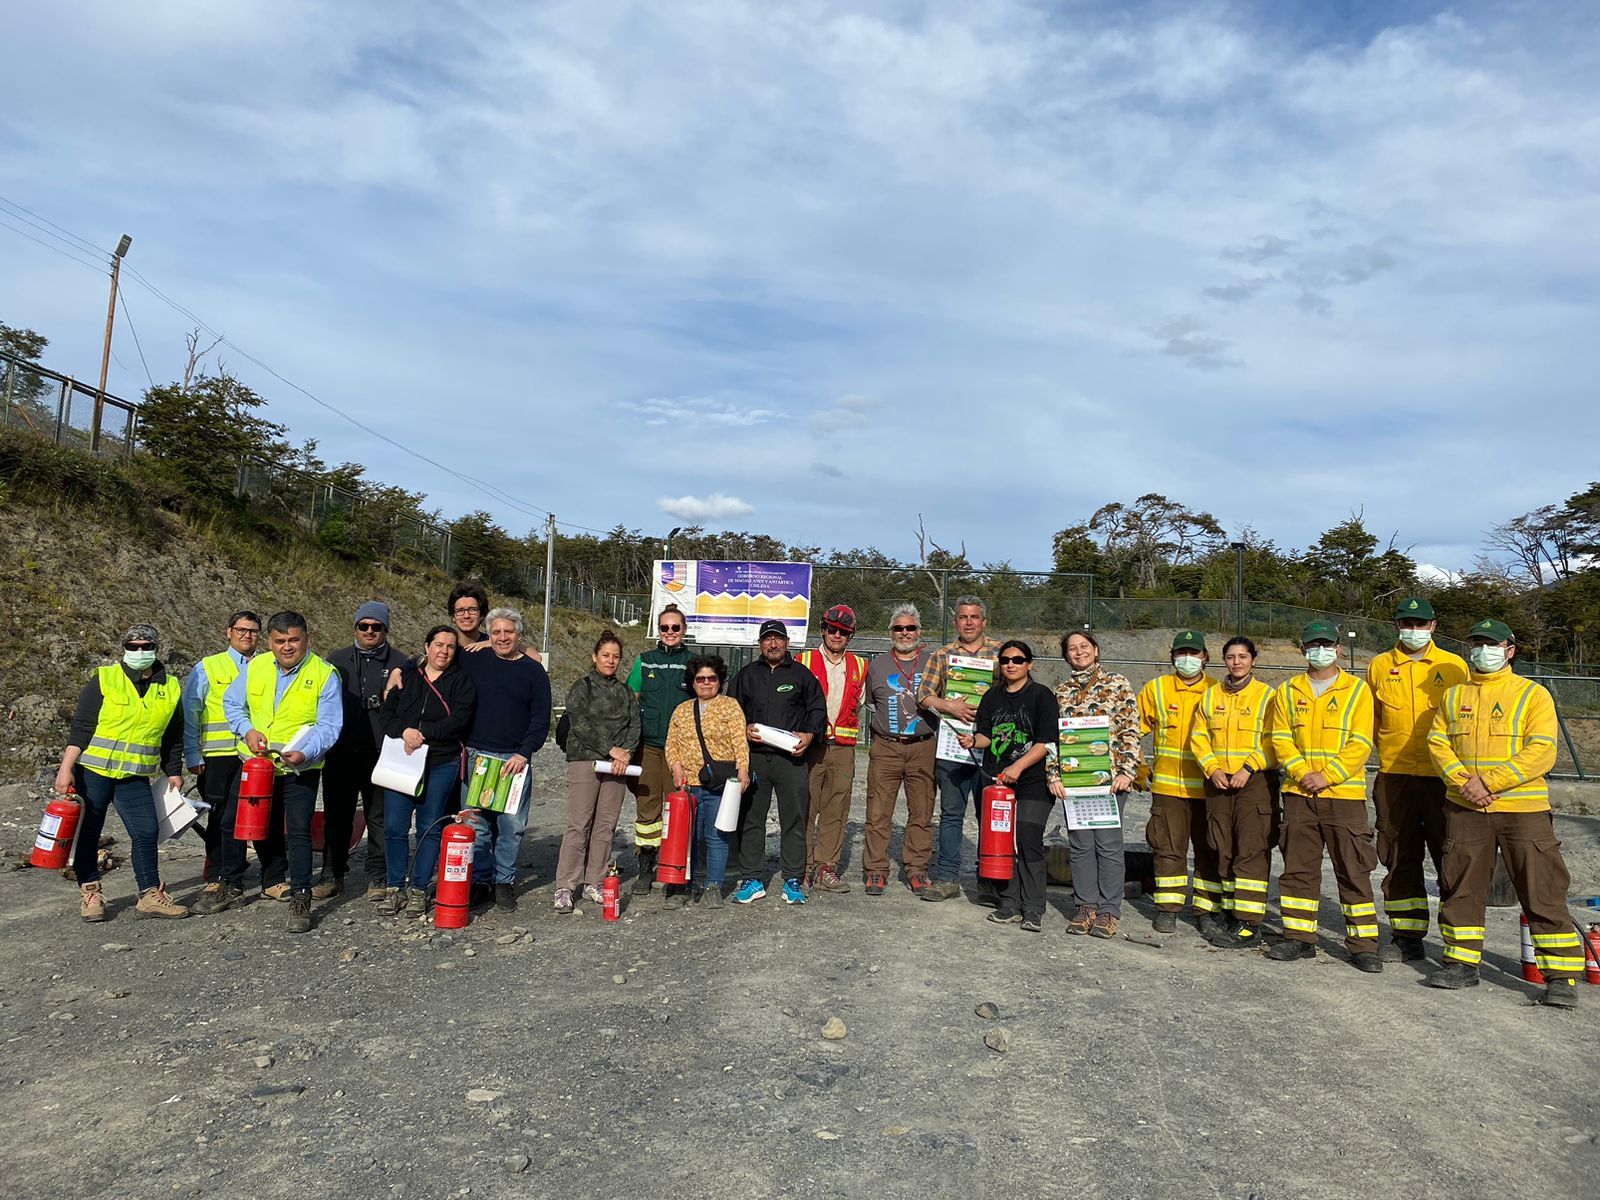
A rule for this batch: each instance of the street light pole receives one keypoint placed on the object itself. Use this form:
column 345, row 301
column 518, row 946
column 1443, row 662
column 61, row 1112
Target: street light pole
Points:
column 1238, row 586
column 117, row 256
column 549, row 580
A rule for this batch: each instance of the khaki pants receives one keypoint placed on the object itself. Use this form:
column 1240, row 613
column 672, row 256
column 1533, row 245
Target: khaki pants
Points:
column 1311, row 824
column 649, row 790
column 1175, row 825
column 1411, row 820
column 833, row 777
column 1240, row 828
column 892, row 765
column 1528, row 847
column 594, row 802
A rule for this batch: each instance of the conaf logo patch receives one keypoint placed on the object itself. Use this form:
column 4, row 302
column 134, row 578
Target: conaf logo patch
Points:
column 785, row 687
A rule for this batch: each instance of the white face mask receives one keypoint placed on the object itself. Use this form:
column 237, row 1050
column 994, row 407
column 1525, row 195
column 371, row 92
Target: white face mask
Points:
column 1415, row 639
column 1187, row 665
column 139, row 660
column 1487, row 659
column 1322, row 656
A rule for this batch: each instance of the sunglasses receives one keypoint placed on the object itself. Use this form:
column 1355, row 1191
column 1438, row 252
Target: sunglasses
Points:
column 706, row 679
column 1012, row 660
column 138, row 645
column 904, row 628
column 839, row 629
column 670, row 628
column 369, row 627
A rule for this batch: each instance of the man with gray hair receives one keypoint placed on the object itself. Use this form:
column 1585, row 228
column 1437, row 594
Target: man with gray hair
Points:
column 958, row 782
column 901, row 754
column 512, row 722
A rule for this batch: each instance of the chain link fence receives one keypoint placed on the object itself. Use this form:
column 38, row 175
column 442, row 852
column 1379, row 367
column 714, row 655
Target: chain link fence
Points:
column 61, row 409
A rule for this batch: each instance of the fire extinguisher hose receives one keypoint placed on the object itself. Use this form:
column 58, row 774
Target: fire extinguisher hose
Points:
column 444, row 820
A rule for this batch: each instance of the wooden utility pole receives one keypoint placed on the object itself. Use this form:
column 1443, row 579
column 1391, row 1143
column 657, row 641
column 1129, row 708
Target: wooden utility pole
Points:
column 105, row 357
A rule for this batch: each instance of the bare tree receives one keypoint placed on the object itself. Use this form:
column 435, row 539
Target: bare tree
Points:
column 936, row 562
column 196, row 356
column 1538, row 543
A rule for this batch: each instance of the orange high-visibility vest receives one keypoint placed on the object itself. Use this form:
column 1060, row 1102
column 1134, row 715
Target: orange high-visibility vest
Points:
column 845, row 731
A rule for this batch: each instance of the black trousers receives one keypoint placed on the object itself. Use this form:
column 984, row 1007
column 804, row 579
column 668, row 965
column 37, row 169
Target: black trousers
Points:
column 287, row 849
column 790, row 779
column 216, row 781
column 1025, row 891
column 346, row 778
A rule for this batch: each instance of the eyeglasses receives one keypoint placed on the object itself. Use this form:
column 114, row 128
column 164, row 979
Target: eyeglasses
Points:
column 138, row 645
column 670, row 628
column 706, row 679
column 1012, row 660
column 242, row 631
column 369, row 627
column 904, row 628
column 466, row 612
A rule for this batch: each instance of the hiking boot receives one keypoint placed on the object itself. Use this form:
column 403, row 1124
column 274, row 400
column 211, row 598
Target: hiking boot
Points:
column 1030, row 924
column 505, row 897
column 1367, row 961
column 941, row 889
column 1164, row 922
column 328, row 888
column 1001, row 917
column 876, row 882
column 394, row 900
column 212, row 888
column 1082, row 920
column 918, row 883
column 278, row 891
column 826, row 879
column 564, row 901
column 1452, row 977
column 1288, row 951
column 712, row 896
column 647, row 873
column 299, row 912
column 417, row 902
column 595, row 896
column 154, row 902
column 1105, row 925
column 1403, row 950
column 675, row 898
column 376, row 892
column 91, row 902
column 1561, row 993
column 749, row 892
column 793, row 893
column 221, row 901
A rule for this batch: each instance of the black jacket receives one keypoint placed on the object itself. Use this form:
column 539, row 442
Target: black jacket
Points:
column 363, row 677
column 443, row 711
column 786, row 696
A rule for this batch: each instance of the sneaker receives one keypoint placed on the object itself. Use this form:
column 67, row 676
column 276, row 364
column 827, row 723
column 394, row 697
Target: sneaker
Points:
column 793, row 893
column 377, row 893
column 278, row 891
column 417, row 901
column 1561, row 993
column 1452, row 976
column 394, row 900
column 1403, row 950
column 1001, row 917
column 594, row 895
column 1164, row 922
column 750, row 890
column 564, row 901
column 91, row 902
column 1367, row 961
column 1105, row 925
column 940, row 889
column 827, row 879
column 505, row 897
column 154, row 902
column 876, row 882
column 299, row 913
column 918, row 883
column 221, row 901
column 675, row 898
column 712, row 896
column 1289, row 950
column 1082, row 920
column 1030, row 924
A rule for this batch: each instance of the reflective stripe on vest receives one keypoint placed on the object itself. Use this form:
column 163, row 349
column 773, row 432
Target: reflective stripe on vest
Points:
column 127, row 736
column 215, row 736
column 855, row 679
column 280, row 720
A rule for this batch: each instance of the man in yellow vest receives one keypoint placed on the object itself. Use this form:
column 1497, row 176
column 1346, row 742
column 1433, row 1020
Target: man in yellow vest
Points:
column 843, row 679
column 1178, row 790
column 127, row 732
column 285, row 704
column 1407, row 683
column 208, row 743
column 1494, row 740
column 1321, row 729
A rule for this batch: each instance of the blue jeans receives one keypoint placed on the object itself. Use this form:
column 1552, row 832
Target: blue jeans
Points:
column 439, row 786
column 137, row 808
column 708, row 839
column 499, row 842
column 958, row 787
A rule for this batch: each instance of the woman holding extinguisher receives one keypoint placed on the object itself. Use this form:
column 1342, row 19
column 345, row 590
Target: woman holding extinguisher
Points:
column 706, row 746
column 1015, row 728
column 431, row 715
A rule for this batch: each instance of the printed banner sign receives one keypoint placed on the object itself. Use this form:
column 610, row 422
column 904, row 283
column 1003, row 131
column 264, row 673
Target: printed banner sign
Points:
column 724, row 603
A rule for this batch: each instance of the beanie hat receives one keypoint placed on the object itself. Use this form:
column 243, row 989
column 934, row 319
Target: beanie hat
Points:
column 373, row 610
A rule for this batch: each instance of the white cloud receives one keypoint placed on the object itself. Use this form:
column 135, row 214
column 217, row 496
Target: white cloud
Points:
column 715, row 507
column 694, row 413
column 1429, row 572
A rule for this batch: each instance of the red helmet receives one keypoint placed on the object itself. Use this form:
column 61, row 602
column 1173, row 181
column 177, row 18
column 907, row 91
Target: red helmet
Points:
column 842, row 616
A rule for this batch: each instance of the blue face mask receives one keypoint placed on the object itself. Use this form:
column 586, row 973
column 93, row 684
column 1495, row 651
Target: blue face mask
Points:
column 1321, row 656
column 1187, row 665
column 139, row 660
column 1487, row 659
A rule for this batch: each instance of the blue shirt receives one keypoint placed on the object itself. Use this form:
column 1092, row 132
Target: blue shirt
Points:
column 513, row 714
column 330, row 710
column 196, row 689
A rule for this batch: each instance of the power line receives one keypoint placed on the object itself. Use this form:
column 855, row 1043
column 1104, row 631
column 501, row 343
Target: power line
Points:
column 55, row 249
column 122, row 300
column 84, row 242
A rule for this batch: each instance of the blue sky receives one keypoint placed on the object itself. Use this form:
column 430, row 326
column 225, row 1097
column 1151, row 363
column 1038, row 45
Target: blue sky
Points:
column 764, row 264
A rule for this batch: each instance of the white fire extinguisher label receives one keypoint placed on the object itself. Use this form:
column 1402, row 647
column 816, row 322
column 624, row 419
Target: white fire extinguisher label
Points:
column 48, row 828
column 458, row 863
column 1000, row 816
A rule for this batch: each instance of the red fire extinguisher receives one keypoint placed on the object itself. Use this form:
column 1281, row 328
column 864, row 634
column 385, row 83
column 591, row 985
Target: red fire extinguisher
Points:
column 57, row 828
column 252, row 815
column 1591, row 954
column 611, row 894
column 677, row 837
column 452, row 898
column 997, row 832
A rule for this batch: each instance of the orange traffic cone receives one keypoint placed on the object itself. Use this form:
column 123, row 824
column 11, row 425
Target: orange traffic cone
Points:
column 1530, row 970
column 1591, row 955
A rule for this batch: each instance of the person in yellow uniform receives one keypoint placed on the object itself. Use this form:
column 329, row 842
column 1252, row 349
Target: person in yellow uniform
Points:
column 1178, row 789
column 1321, row 732
column 1493, row 740
column 1407, row 683
column 1230, row 740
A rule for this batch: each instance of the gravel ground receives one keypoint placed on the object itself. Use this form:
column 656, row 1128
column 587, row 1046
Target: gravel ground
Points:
column 681, row 1053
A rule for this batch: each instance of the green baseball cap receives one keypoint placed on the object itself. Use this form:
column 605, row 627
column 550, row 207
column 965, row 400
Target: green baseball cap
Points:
column 1414, row 609
column 1318, row 631
column 1497, row 631
column 1190, row 640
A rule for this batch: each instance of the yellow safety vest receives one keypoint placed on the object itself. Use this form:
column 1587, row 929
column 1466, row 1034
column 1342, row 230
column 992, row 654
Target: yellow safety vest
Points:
column 279, row 720
column 215, row 736
column 127, row 737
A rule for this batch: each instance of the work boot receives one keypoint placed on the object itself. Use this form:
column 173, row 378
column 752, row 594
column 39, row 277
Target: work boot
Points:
column 1402, row 950
column 1164, row 922
column 154, row 902
column 225, row 898
column 675, row 897
column 712, row 897
column 394, row 900
column 91, row 902
column 941, row 889
column 212, row 887
column 1245, row 935
column 647, row 873
column 329, row 888
column 1452, row 976
column 417, row 902
column 505, row 897
column 826, row 879
column 1561, row 992
column 299, row 912
column 278, row 891
column 1367, row 961
column 1289, row 950
column 376, row 892
column 1212, row 924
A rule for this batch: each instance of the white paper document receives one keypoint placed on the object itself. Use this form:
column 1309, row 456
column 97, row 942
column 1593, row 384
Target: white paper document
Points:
column 778, row 739
column 728, row 808
column 1090, row 810
column 399, row 771
column 174, row 813
column 602, row 766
